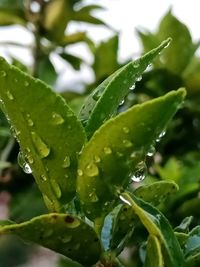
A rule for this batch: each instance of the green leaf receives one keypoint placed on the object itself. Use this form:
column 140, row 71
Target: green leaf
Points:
column 192, row 248
column 110, row 158
column 103, row 103
column 49, row 133
column 154, row 255
column 177, row 57
column 157, row 225
column 74, row 38
column 156, row 193
column 46, row 71
column 63, row 233
column 118, row 227
column 8, row 18
column 74, row 61
column 105, row 65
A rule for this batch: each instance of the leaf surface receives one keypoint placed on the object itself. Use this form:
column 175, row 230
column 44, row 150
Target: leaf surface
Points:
column 48, row 132
column 63, row 233
column 157, row 225
column 154, row 255
column 110, row 158
column 103, row 103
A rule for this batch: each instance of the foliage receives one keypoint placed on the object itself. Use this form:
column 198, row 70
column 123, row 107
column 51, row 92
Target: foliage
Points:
column 89, row 162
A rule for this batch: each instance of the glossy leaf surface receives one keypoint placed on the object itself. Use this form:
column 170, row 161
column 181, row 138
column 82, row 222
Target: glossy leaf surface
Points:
column 156, row 224
column 156, row 193
column 102, row 104
column 48, row 132
column 63, row 233
column 109, row 159
column 154, row 255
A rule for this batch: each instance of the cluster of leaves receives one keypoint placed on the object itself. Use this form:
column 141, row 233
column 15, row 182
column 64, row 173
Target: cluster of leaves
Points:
column 83, row 164
column 83, row 170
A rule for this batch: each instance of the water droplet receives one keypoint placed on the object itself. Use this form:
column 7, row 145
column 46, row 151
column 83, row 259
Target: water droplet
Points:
column 56, row 188
column 132, row 87
column 57, row 118
column 96, row 95
column 97, row 159
column 107, row 150
column 15, row 133
column 139, row 78
column 23, row 164
column 151, row 151
column 42, row 149
column 140, row 172
column 136, row 64
column 160, row 136
column 66, row 238
column 43, row 177
column 26, row 83
column 29, row 120
column 119, row 154
column 125, row 129
column 30, row 159
column 93, row 197
column 92, row 169
column 66, row 162
column 80, row 172
column 3, row 73
column 127, row 143
column 48, row 202
column 9, row 95
column 122, row 102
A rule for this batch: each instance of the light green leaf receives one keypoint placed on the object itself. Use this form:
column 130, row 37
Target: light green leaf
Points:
column 156, row 193
column 154, row 254
column 63, row 233
column 49, row 133
column 157, row 225
column 103, row 103
column 110, row 158
column 8, row 18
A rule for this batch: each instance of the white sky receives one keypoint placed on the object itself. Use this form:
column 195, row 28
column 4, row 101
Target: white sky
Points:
column 124, row 16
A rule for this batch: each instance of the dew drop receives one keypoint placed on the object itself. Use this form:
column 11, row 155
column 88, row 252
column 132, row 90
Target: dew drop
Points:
column 92, row 170
column 9, row 95
column 56, row 188
column 26, row 83
column 125, row 129
column 122, row 102
column 97, row 159
column 43, row 177
column 139, row 78
column 80, row 172
column 23, row 164
column 132, row 87
column 107, row 150
column 136, row 64
column 160, row 136
column 3, row 73
column 30, row 159
column 66, row 162
column 42, row 149
column 93, row 197
column 66, row 238
column 127, row 143
column 140, row 172
column 29, row 120
column 96, row 95
column 57, row 119
column 151, row 151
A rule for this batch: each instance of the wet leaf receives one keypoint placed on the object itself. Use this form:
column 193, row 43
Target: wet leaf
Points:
column 111, row 157
column 48, row 132
column 63, row 233
column 157, row 225
column 154, row 254
column 156, row 193
column 103, row 103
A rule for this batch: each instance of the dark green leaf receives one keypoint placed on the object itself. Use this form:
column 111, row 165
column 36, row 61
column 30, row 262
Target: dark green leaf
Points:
column 46, row 71
column 74, row 61
column 157, row 225
column 48, row 131
column 63, row 233
column 156, row 193
column 154, row 255
column 110, row 158
column 103, row 103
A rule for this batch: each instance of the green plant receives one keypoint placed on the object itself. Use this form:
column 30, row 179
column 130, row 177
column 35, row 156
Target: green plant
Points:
column 83, row 166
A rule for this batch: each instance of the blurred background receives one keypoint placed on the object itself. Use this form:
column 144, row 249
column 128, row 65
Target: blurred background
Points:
column 74, row 45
